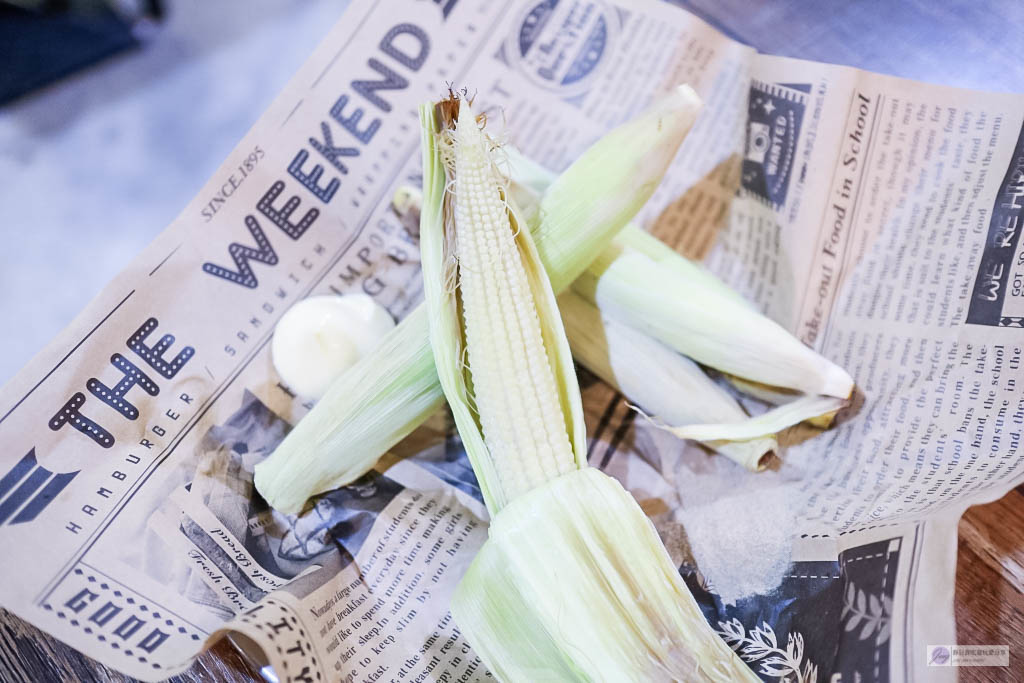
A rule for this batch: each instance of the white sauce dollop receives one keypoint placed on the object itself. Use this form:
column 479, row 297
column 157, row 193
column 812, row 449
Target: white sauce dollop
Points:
column 319, row 338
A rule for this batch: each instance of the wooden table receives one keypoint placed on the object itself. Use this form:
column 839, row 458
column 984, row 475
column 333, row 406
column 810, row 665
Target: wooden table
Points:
column 967, row 44
column 989, row 600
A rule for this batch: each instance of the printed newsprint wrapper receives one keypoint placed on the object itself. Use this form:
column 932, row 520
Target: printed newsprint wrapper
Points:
column 877, row 218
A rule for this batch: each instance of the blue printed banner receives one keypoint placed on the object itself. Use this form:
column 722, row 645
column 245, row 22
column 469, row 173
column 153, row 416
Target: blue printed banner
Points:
column 998, row 295
column 775, row 112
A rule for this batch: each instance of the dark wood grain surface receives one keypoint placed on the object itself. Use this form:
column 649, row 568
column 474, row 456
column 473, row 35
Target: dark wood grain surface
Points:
column 990, row 583
column 967, row 44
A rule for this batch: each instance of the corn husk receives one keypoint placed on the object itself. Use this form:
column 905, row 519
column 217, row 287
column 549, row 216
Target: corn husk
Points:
column 372, row 406
column 532, row 179
column 711, row 328
column 622, row 171
column 692, row 272
column 779, row 397
column 574, row 584
column 662, row 382
column 803, row 409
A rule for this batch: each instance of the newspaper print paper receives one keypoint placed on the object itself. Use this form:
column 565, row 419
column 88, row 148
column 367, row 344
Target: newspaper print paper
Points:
column 877, row 218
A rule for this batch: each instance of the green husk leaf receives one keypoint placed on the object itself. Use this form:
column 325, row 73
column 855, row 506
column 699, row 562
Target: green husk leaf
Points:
column 663, row 382
column 382, row 403
column 574, row 584
column 697, row 282
column 771, row 422
column 709, row 327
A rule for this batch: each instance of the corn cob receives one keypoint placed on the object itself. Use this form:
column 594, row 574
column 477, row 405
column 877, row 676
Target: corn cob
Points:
column 498, row 343
column 651, row 374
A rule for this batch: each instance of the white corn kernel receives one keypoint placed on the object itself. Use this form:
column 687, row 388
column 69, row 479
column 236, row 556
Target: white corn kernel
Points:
column 513, row 381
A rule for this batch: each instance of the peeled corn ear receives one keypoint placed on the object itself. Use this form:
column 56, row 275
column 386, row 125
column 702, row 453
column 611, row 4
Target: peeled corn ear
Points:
column 573, row 584
column 498, row 343
column 683, row 399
